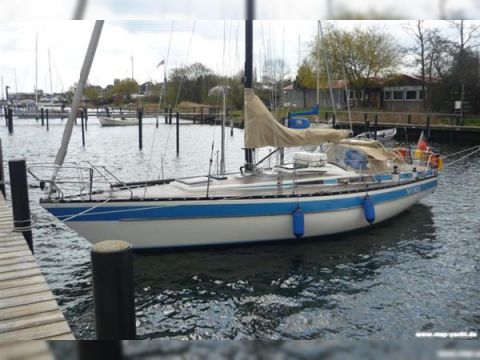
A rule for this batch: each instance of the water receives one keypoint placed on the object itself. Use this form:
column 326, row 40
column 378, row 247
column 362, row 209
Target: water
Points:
column 417, row 272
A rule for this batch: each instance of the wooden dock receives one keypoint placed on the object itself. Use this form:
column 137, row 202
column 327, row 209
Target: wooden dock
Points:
column 28, row 309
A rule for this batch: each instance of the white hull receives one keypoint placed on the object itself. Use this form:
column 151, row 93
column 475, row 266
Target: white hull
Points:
column 106, row 121
column 181, row 232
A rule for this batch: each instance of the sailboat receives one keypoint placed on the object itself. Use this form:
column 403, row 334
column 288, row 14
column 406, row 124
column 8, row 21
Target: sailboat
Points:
column 352, row 184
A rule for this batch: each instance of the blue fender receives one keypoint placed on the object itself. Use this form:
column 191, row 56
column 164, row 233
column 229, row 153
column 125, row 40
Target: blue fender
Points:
column 298, row 223
column 368, row 209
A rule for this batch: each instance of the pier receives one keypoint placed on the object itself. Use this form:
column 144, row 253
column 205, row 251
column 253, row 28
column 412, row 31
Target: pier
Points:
column 28, row 309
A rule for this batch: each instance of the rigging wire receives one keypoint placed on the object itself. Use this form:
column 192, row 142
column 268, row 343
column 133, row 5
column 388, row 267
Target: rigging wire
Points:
column 327, row 66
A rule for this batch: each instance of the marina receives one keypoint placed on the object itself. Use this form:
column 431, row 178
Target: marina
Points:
column 283, row 227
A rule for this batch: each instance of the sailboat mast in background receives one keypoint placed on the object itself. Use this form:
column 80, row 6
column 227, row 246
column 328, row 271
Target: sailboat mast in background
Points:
column 36, row 69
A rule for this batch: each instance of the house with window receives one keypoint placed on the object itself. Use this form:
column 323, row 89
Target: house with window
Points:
column 402, row 93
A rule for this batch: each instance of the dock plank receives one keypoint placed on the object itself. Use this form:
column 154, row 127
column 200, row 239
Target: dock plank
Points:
column 28, row 308
column 34, row 350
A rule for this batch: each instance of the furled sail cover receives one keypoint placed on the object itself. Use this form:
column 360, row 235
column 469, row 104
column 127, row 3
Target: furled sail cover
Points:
column 261, row 128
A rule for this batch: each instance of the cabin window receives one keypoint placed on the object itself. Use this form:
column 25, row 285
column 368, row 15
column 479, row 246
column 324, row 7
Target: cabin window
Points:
column 398, row 95
column 411, row 95
column 387, row 95
column 420, row 95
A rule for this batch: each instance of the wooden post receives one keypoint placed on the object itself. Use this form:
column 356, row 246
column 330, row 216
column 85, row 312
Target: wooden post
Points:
column 166, row 115
column 85, row 111
column 113, row 290
column 194, row 115
column 409, row 119
column 367, row 128
column 170, row 115
column 83, row 127
column 375, row 127
column 140, row 130
column 326, row 115
column 428, row 127
column 2, row 173
column 99, row 350
column 156, row 123
column 46, row 115
column 20, row 203
column 201, row 115
column 178, row 133
column 334, row 121
column 42, row 117
column 10, row 121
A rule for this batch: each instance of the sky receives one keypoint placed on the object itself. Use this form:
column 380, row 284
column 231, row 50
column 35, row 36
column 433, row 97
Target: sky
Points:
column 219, row 44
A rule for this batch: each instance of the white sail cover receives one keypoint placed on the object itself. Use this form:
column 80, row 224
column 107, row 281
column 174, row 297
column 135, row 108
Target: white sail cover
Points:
column 261, row 128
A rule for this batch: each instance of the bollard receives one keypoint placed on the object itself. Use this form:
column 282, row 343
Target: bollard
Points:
column 99, row 350
column 42, row 117
column 20, row 203
column 178, row 133
column 140, row 133
column 334, row 120
column 46, row 116
column 428, row 127
column 375, row 127
column 10, row 121
column 83, row 127
column 2, row 173
column 113, row 290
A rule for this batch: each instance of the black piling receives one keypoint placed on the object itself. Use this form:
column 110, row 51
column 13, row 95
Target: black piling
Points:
column 2, row 173
column 5, row 114
column 194, row 115
column 326, row 115
column 46, row 117
column 20, row 203
column 170, row 115
column 409, row 119
column 166, row 115
column 140, row 130
column 156, row 123
column 201, row 115
column 428, row 127
column 375, row 127
column 367, row 128
column 99, row 350
column 10, row 121
column 42, row 116
column 82, row 117
column 85, row 111
column 177, row 123
column 113, row 290
column 334, row 121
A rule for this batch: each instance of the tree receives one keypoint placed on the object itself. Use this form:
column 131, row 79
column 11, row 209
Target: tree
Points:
column 364, row 54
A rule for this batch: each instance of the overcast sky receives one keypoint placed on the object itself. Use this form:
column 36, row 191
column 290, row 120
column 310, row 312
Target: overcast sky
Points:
column 147, row 42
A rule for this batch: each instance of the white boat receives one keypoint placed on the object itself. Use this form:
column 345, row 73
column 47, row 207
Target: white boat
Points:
column 382, row 135
column 352, row 185
column 117, row 121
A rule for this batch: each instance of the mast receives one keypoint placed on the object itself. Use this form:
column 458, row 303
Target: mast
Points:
column 50, row 72
column 87, row 64
column 36, row 69
column 318, row 63
column 131, row 59
column 249, row 165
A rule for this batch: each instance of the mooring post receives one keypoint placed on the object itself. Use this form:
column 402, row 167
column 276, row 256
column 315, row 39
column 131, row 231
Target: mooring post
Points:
column 99, row 350
column 365, row 119
column 20, row 203
column 367, row 128
column 46, row 116
column 83, row 127
column 428, row 127
column 166, row 115
column 85, row 111
column 113, row 290
column 409, row 119
column 375, row 127
column 10, row 121
column 42, row 117
column 2, row 173
column 334, row 121
column 140, row 133
column 201, row 115
column 178, row 133
column 156, row 123
column 194, row 115
column 326, row 115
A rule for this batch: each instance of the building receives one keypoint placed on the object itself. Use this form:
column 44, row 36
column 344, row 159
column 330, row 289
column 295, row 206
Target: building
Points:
column 306, row 98
column 402, row 93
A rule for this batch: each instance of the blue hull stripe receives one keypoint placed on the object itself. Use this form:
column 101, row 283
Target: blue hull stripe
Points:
column 139, row 212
